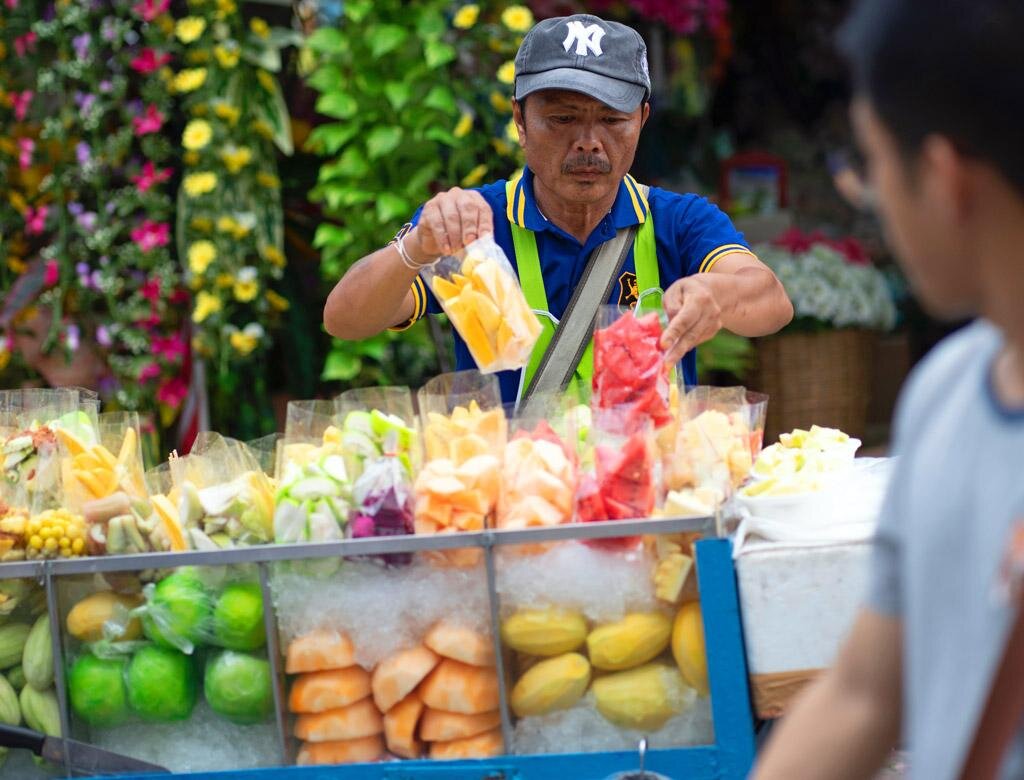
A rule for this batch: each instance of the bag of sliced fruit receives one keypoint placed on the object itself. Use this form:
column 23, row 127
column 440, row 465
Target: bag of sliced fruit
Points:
column 480, row 293
column 313, row 484
column 464, row 433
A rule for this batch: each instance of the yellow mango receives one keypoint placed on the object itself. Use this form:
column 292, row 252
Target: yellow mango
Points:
column 544, row 632
column 552, row 684
column 688, row 646
column 629, row 642
column 87, row 617
column 443, row 289
column 642, row 699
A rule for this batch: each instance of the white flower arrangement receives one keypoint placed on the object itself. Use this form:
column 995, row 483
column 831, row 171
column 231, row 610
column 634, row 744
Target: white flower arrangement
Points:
column 825, row 286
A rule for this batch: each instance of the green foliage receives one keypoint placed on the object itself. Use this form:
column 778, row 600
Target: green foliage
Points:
column 726, row 353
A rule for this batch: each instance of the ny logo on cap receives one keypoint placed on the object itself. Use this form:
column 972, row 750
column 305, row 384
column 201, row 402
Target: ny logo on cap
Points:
column 587, row 39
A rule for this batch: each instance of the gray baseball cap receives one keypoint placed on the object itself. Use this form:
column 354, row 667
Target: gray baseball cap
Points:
column 583, row 53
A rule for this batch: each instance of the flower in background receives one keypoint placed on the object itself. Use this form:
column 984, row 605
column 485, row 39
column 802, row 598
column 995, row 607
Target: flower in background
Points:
column 246, row 284
column 226, row 58
column 274, row 256
column 507, row 72
column 26, row 147
column 81, row 44
column 511, row 131
column 20, row 101
column 73, row 337
column 151, row 290
column 148, row 61
column 266, row 80
column 86, row 221
column 35, row 221
column 518, row 18
column 51, row 273
column 197, row 184
column 170, row 348
column 189, row 29
column 500, row 103
column 206, row 304
column 189, row 80
column 197, row 134
column 268, row 180
column 150, row 235
column 103, row 337
column 259, row 27
column 150, row 176
column 464, row 125
column 474, row 177
column 150, row 122
column 200, row 255
column 83, row 153
column 236, row 158
column 85, row 101
column 225, row 8
column 466, row 16
column 149, row 371
column 173, row 392
column 149, row 10
column 226, row 111
column 277, row 302
column 25, row 43
column 246, row 340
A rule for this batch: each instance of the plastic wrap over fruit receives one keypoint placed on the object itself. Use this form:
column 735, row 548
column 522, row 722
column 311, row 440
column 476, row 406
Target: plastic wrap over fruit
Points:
column 383, row 504
column 480, row 293
column 378, row 422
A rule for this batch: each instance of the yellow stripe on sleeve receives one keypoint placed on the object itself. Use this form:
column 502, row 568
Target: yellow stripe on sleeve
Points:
column 521, row 193
column 717, row 254
column 640, row 204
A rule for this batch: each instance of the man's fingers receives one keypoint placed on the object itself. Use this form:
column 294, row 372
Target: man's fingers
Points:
column 452, row 225
column 685, row 318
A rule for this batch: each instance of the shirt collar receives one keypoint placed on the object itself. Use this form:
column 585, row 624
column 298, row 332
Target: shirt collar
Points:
column 630, row 207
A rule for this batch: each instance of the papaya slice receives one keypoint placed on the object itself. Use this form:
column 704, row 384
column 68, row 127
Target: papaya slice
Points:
column 457, row 687
column 342, row 751
column 320, row 651
column 361, row 719
column 460, row 643
column 398, row 675
column 486, row 745
column 440, row 726
column 321, row 691
column 400, row 724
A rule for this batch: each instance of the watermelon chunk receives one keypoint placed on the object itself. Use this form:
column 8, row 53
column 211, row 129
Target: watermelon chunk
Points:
column 628, row 367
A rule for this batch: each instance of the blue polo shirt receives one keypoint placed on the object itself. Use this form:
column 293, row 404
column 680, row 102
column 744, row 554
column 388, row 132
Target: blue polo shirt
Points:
column 691, row 235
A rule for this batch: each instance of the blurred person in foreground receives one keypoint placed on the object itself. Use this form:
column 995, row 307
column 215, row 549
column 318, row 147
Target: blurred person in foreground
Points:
column 938, row 111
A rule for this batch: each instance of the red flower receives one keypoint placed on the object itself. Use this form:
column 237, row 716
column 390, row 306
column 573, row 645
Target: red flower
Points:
column 35, row 220
column 179, row 297
column 150, row 176
column 20, row 101
column 151, row 290
column 172, row 392
column 149, row 235
column 149, row 371
column 25, row 43
column 149, row 61
column 150, row 9
column 150, row 122
column 170, row 348
column 51, row 275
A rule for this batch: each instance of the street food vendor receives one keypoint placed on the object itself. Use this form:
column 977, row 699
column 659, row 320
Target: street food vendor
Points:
column 582, row 92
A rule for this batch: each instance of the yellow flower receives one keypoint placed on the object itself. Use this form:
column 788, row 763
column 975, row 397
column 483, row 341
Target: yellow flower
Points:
column 197, row 134
column 246, row 285
column 501, row 146
column 16, row 264
column 225, row 8
column 191, row 158
column 227, row 112
column 274, row 256
column 261, row 128
column 189, row 28
column 277, row 302
column 224, row 280
column 226, row 224
column 511, row 131
column 228, row 58
column 466, row 16
column 507, row 72
column 201, row 224
column 243, row 343
column 235, row 228
column 465, row 124
column 517, row 18
column 236, row 158
column 268, row 180
column 166, row 74
column 474, row 177
column 166, row 23
column 200, row 255
column 500, row 103
column 197, row 184
column 206, row 304
column 266, row 80
column 189, row 80
column 259, row 27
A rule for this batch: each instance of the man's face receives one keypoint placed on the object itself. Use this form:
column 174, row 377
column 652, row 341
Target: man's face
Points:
column 923, row 222
column 578, row 147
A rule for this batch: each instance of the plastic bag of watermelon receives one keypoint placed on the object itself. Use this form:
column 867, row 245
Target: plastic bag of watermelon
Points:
column 629, row 367
column 624, row 481
column 376, row 422
column 464, row 433
column 480, row 293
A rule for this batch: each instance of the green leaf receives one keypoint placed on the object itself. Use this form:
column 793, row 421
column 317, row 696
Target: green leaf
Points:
column 352, row 164
column 339, row 105
column 398, row 93
column 440, row 134
column 341, row 365
column 327, row 40
column 385, row 38
column 263, row 57
column 390, row 207
column 438, row 53
column 416, row 187
column 276, row 114
column 382, row 141
column 328, row 234
column 329, row 138
column 282, row 37
column 326, row 78
column 431, row 24
column 375, row 348
column 441, row 98
column 357, row 10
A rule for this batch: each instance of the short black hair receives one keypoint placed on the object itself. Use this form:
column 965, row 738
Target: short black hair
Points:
column 947, row 67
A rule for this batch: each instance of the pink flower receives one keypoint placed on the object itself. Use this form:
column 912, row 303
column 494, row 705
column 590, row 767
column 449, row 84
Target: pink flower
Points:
column 179, row 297
column 25, row 43
column 172, row 392
column 170, row 348
column 21, row 101
column 149, row 9
column 149, row 61
column 52, row 273
column 149, row 235
column 35, row 221
column 12, row 4
column 150, row 176
column 149, row 371
column 149, row 122
column 26, row 146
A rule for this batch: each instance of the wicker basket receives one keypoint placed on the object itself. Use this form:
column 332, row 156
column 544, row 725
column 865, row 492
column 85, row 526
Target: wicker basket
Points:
column 815, row 378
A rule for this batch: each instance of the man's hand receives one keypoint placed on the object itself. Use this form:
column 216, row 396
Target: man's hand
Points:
column 694, row 313
column 449, row 221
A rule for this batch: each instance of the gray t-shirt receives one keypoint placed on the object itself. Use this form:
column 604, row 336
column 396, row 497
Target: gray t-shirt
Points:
column 957, row 490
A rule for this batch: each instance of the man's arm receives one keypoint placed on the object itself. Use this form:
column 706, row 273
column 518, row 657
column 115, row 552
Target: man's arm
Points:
column 847, row 722
column 740, row 294
column 375, row 292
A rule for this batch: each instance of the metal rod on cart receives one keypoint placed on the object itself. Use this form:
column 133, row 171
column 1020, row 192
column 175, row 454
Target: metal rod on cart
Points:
column 58, row 658
column 499, row 657
column 274, row 655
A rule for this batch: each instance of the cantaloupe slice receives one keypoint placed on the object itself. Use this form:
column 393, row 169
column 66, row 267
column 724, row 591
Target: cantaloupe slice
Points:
column 398, row 675
column 320, row 691
column 342, row 751
column 361, row 719
column 486, row 745
column 319, row 651
column 459, row 687
column 460, row 643
column 400, row 727
column 440, row 726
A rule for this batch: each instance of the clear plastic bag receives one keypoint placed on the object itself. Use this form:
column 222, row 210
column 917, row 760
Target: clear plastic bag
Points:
column 378, row 421
column 382, row 500
column 480, row 293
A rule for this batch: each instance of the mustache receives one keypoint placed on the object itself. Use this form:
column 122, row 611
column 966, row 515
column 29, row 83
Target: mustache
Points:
column 587, row 162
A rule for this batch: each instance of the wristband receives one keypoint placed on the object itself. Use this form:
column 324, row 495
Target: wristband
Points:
column 411, row 264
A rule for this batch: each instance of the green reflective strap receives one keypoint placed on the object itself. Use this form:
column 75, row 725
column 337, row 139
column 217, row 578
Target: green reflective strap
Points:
column 645, row 259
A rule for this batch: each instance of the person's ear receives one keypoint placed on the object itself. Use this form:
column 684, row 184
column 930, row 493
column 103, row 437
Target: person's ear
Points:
column 517, row 117
column 945, row 175
column 645, row 113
